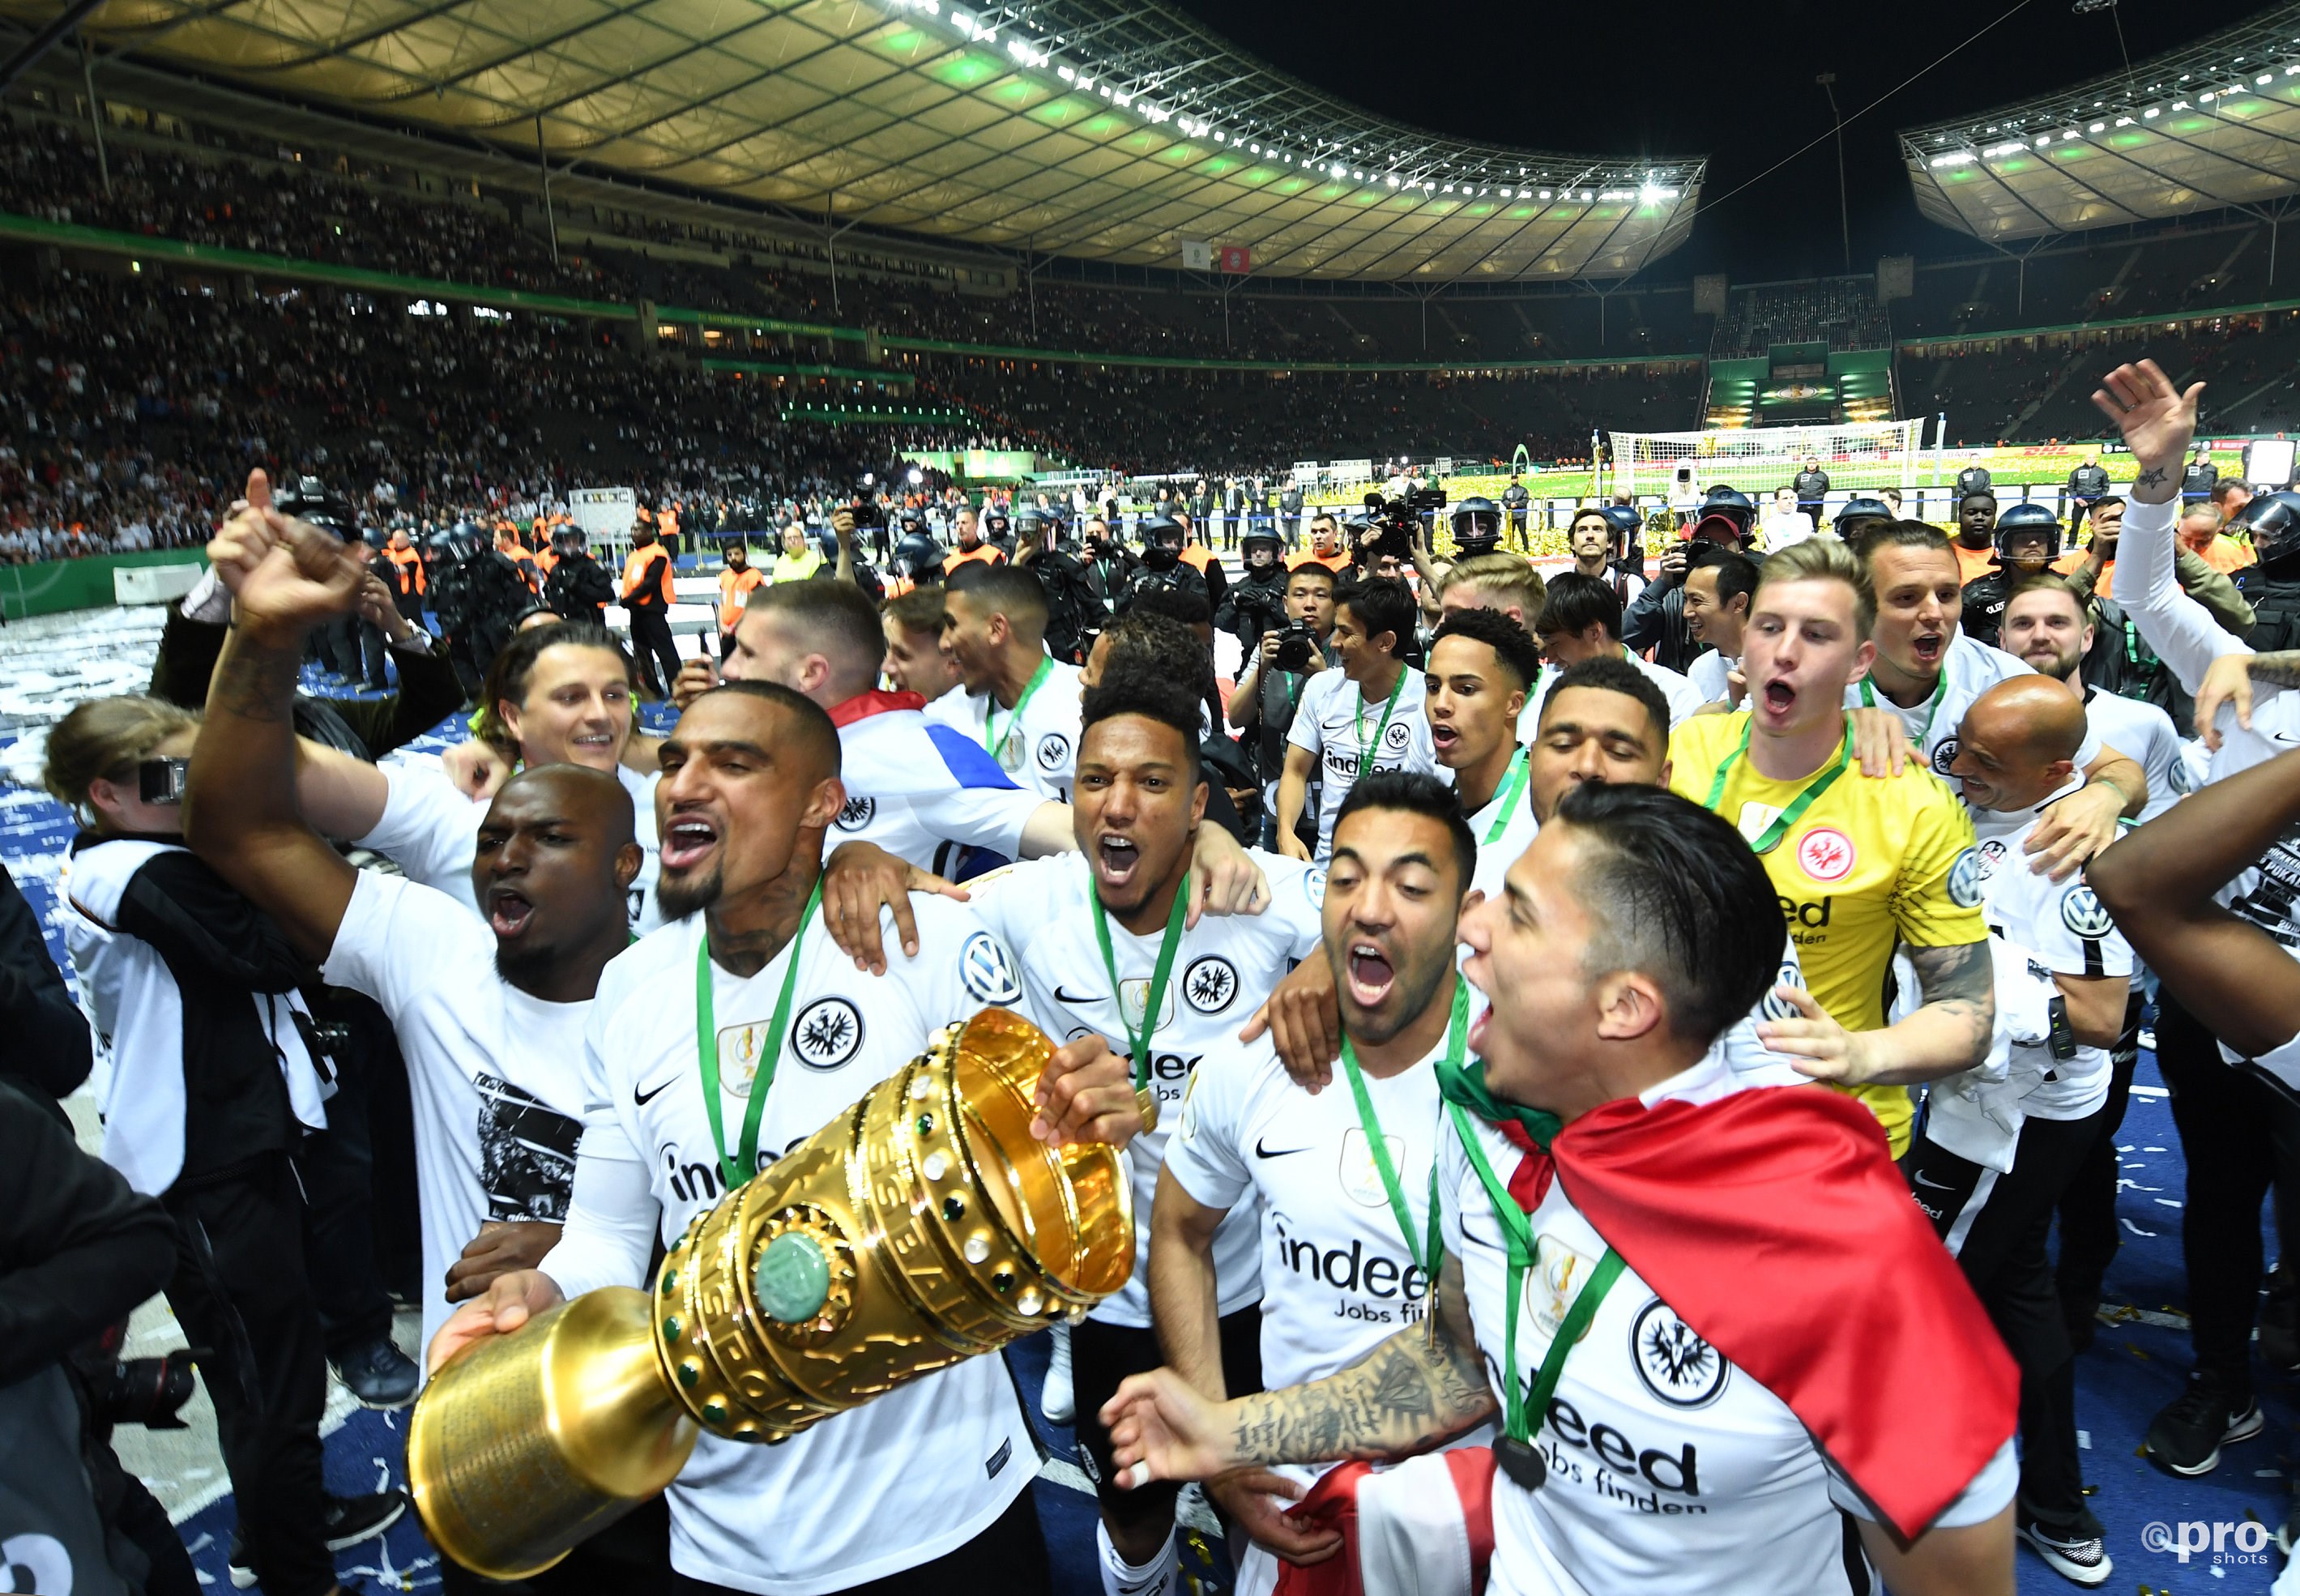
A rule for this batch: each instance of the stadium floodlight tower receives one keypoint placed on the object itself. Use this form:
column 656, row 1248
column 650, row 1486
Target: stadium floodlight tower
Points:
column 1857, row 455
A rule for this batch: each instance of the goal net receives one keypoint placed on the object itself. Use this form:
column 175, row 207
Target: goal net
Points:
column 1758, row 460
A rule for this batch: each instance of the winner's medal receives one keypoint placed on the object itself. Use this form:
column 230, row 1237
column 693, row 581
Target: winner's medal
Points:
column 1521, row 1461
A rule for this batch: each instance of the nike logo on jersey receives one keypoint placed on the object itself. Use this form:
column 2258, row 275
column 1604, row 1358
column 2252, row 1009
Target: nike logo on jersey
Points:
column 1937, row 1185
column 1261, row 1149
column 1074, row 997
column 643, row 1097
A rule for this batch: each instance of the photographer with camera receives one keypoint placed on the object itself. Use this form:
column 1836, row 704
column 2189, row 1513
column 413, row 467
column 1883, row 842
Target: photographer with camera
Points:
column 476, row 593
column 1109, row 565
column 1270, row 688
column 214, row 1082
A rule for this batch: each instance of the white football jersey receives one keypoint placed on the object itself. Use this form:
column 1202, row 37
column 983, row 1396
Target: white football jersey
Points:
column 1505, row 829
column 2144, row 733
column 1968, row 671
column 925, row 1468
column 1669, row 1467
column 431, row 832
column 1224, row 968
column 921, row 790
column 1038, row 747
column 1335, row 722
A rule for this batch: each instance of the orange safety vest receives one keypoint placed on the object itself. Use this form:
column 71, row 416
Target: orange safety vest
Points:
column 408, row 564
column 987, row 553
column 734, row 594
column 644, row 591
column 526, row 562
column 544, row 561
column 1198, row 557
column 1334, row 562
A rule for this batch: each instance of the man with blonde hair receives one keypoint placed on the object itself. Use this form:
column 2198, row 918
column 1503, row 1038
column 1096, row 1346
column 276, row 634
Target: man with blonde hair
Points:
column 1497, row 581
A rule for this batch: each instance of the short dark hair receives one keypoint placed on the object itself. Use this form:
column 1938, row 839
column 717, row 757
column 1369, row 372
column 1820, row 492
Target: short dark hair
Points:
column 1417, row 793
column 918, row 610
column 1988, row 494
column 1511, row 644
column 813, row 722
column 1167, row 646
column 1184, row 604
column 1609, row 673
column 1137, row 683
column 1316, row 571
column 836, row 617
column 1901, row 535
column 1575, row 602
column 1381, row 605
column 1683, row 900
column 2052, row 581
column 1736, row 573
column 1008, row 590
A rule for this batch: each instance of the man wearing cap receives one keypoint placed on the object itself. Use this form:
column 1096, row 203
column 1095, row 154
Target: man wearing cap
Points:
column 1656, row 620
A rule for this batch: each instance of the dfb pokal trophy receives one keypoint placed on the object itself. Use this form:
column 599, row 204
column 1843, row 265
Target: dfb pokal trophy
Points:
column 923, row 1226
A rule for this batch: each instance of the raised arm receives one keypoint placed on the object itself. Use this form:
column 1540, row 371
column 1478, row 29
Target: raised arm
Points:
column 248, row 827
column 1415, row 1391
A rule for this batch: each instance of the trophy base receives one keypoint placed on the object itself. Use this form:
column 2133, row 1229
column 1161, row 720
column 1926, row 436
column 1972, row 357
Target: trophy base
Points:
column 528, row 1443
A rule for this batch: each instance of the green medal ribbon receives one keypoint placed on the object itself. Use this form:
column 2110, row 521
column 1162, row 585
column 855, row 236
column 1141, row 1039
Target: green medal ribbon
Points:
column 1513, row 787
column 746, row 1163
column 1518, row 1230
column 1457, row 1044
column 1397, row 687
column 1771, row 837
column 1940, row 691
column 990, row 738
column 1167, row 947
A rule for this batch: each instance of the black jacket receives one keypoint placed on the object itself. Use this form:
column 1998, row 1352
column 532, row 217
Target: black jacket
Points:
column 46, row 1048
column 578, row 588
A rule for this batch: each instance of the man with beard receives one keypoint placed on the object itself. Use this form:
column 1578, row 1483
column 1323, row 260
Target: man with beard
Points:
column 647, row 597
column 1596, row 1297
column 931, row 1480
column 1336, row 1176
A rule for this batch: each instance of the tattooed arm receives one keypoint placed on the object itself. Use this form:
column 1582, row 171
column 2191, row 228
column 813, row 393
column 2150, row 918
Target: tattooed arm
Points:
column 1948, row 1033
column 240, row 810
column 1415, row 1391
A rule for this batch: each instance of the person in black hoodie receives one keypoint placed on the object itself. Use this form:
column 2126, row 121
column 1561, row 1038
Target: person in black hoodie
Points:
column 79, row 1250
column 46, row 1050
column 214, row 1082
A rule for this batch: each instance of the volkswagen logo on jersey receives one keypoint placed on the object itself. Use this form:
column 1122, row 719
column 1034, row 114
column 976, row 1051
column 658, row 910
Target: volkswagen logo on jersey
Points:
column 1775, row 1006
column 827, row 1033
column 1826, row 853
column 1210, row 984
column 1676, row 1365
column 1054, row 748
column 1964, row 879
column 857, row 814
column 1314, row 882
column 2082, row 914
column 2182, row 779
column 987, row 971
column 1945, row 756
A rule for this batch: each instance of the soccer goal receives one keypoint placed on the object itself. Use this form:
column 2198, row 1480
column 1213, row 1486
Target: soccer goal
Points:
column 1757, row 460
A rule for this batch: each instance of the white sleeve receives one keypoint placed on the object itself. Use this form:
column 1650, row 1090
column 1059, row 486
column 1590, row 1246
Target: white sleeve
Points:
column 2073, row 934
column 1306, row 731
column 1205, row 1153
column 1984, row 1496
column 1010, row 899
column 1298, row 902
column 428, row 828
column 401, row 942
column 962, row 965
column 2181, row 631
column 988, row 817
column 611, row 1216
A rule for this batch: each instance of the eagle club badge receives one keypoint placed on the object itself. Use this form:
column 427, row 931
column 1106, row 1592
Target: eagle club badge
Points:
column 1825, row 854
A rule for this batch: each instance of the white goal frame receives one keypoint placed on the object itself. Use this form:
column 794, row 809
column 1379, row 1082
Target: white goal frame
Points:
column 1856, row 455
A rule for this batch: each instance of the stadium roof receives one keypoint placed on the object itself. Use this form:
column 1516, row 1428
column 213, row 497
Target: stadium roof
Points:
column 2211, row 125
column 1112, row 129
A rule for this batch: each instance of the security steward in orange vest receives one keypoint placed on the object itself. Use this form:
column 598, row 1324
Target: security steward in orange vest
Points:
column 400, row 567
column 648, row 598
column 734, row 584
column 970, row 545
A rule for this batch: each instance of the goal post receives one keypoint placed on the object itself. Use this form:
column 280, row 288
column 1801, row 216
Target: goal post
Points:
column 1856, row 455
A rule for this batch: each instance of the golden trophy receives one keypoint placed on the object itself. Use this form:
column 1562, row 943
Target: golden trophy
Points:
column 923, row 1226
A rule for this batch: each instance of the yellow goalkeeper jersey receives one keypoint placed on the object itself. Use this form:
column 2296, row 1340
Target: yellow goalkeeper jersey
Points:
column 1869, row 863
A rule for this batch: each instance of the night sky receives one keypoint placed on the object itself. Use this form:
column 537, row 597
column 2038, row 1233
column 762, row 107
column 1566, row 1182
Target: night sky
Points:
column 1733, row 81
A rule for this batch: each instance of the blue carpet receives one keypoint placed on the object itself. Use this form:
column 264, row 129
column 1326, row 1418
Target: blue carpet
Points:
column 2132, row 1370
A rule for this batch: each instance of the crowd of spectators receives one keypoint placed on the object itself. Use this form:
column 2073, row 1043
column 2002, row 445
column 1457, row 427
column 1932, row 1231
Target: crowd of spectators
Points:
column 1841, row 313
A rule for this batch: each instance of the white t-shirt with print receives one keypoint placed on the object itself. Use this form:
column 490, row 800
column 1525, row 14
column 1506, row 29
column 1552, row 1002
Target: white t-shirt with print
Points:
column 431, row 831
column 912, row 1473
column 494, row 1073
column 1335, row 720
column 1037, row 748
column 1669, row 1467
column 1224, row 968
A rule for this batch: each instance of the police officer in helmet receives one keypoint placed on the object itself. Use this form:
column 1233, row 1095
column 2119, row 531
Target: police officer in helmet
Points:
column 2028, row 541
column 1256, row 600
column 2272, row 586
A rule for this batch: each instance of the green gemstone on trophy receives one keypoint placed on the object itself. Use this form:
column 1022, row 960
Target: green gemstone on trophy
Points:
column 690, row 1372
column 671, row 1329
column 925, row 1125
column 713, row 1414
column 670, row 1281
column 794, row 1278
column 954, row 1208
